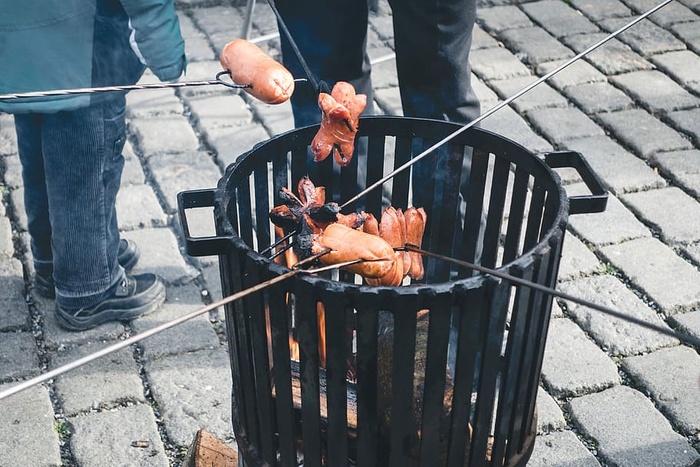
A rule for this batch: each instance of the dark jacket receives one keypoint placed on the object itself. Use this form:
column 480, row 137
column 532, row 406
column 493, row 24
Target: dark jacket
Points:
column 67, row 44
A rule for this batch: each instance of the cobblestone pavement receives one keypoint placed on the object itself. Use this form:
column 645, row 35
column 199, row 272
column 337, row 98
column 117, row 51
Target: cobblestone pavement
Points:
column 612, row 393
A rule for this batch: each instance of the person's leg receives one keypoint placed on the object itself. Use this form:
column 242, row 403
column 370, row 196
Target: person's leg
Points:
column 83, row 163
column 331, row 36
column 29, row 127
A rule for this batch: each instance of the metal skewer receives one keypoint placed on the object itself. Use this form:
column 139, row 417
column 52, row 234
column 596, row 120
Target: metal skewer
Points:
column 296, row 269
column 502, row 104
column 688, row 339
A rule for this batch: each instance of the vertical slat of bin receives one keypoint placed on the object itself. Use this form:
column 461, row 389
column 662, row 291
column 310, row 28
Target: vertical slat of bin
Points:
column 307, row 332
column 402, row 425
column 494, row 218
column 262, row 205
column 400, row 181
column 490, row 370
column 472, row 323
column 474, row 210
column 282, row 371
column 336, row 382
column 245, row 216
column 367, row 390
column 516, row 216
column 534, row 217
column 375, row 171
column 514, row 350
column 433, row 423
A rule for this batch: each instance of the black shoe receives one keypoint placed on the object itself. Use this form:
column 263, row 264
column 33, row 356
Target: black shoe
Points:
column 133, row 297
column 127, row 256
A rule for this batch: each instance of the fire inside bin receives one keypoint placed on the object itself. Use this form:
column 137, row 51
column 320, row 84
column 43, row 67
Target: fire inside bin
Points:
column 328, row 370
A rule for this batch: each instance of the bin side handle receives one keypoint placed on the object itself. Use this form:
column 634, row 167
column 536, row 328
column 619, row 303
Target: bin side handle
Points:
column 581, row 204
column 199, row 246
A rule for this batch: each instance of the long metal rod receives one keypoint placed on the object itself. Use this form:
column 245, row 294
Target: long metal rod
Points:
column 502, row 104
column 129, row 87
column 688, row 339
column 165, row 326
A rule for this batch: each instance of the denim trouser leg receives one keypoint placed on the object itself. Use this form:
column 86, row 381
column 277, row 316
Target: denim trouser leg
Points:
column 78, row 156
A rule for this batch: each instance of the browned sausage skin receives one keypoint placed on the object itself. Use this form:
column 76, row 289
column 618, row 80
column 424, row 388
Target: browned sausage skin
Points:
column 270, row 81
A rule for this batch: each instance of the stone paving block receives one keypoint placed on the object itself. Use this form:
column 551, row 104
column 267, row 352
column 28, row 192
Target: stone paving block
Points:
column 688, row 322
column 152, row 102
column 203, row 71
column 672, row 378
column 194, row 334
column 214, row 111
column 658, row 272
column 482, row 39
column 573, row 365
column 221, row 24
column 14, row 313
column 561, row 124
column 176, row 172
column 534, row 45
column 13, row 172
column 594, row 98
column 612, row 58
column 389, row 100
column 102, row 384
column 193, row 391
column 683, row 65
column 576, row 259
column 549, row 415
column 509, row 124
column 629, row 431
column 672, row 13
column 197, row 46
column 575, row 74
column 138, row 207
column 642, row 132
column 687, row 121
column 7, row 249
column 230, row 144
column 27, row 433
column 601, row 9
column 561, row 448
column 616, row 224
column 160, row 253
column 384, row 73
column 263, row 18
column 556, row 310
column 655, row 90
column 689, row 33
column 660, row 208
column 19, row 357
column 558, row 18
column 17, row 200
column 164, row 135
column 108, row 438
column 498, row 63
column 538, row 97
column 8, row 137
column 133, row 172
column 275, row 118
column 645, row 37
column 620, row 170
column 500, row 18
column 487, row 97
column 614, row 335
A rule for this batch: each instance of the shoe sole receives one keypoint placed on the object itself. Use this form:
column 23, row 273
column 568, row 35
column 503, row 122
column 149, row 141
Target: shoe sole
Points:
column 72, row 323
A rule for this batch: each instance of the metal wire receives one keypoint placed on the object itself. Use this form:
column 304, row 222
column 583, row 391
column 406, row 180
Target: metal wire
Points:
column 130, row 87
column 502, row 104
column 688, row 339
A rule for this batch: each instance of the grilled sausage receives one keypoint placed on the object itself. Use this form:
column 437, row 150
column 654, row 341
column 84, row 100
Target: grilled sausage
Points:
column 341, row 111
column 415, row 228
column 349, row 244
column 271, row 82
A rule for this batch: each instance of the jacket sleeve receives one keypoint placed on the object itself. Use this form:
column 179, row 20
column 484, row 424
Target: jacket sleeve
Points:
column 156, row 36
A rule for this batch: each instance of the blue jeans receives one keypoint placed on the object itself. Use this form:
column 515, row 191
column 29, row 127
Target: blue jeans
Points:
column 71, row 166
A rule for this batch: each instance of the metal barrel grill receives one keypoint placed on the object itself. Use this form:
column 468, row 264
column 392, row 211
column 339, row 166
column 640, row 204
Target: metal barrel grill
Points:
column 443, row 371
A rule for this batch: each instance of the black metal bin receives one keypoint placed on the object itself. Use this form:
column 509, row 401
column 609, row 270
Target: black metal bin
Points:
column 403, row 403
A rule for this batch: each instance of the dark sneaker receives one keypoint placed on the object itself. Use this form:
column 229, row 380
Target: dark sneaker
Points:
column 127, row 256
column 135, row 296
